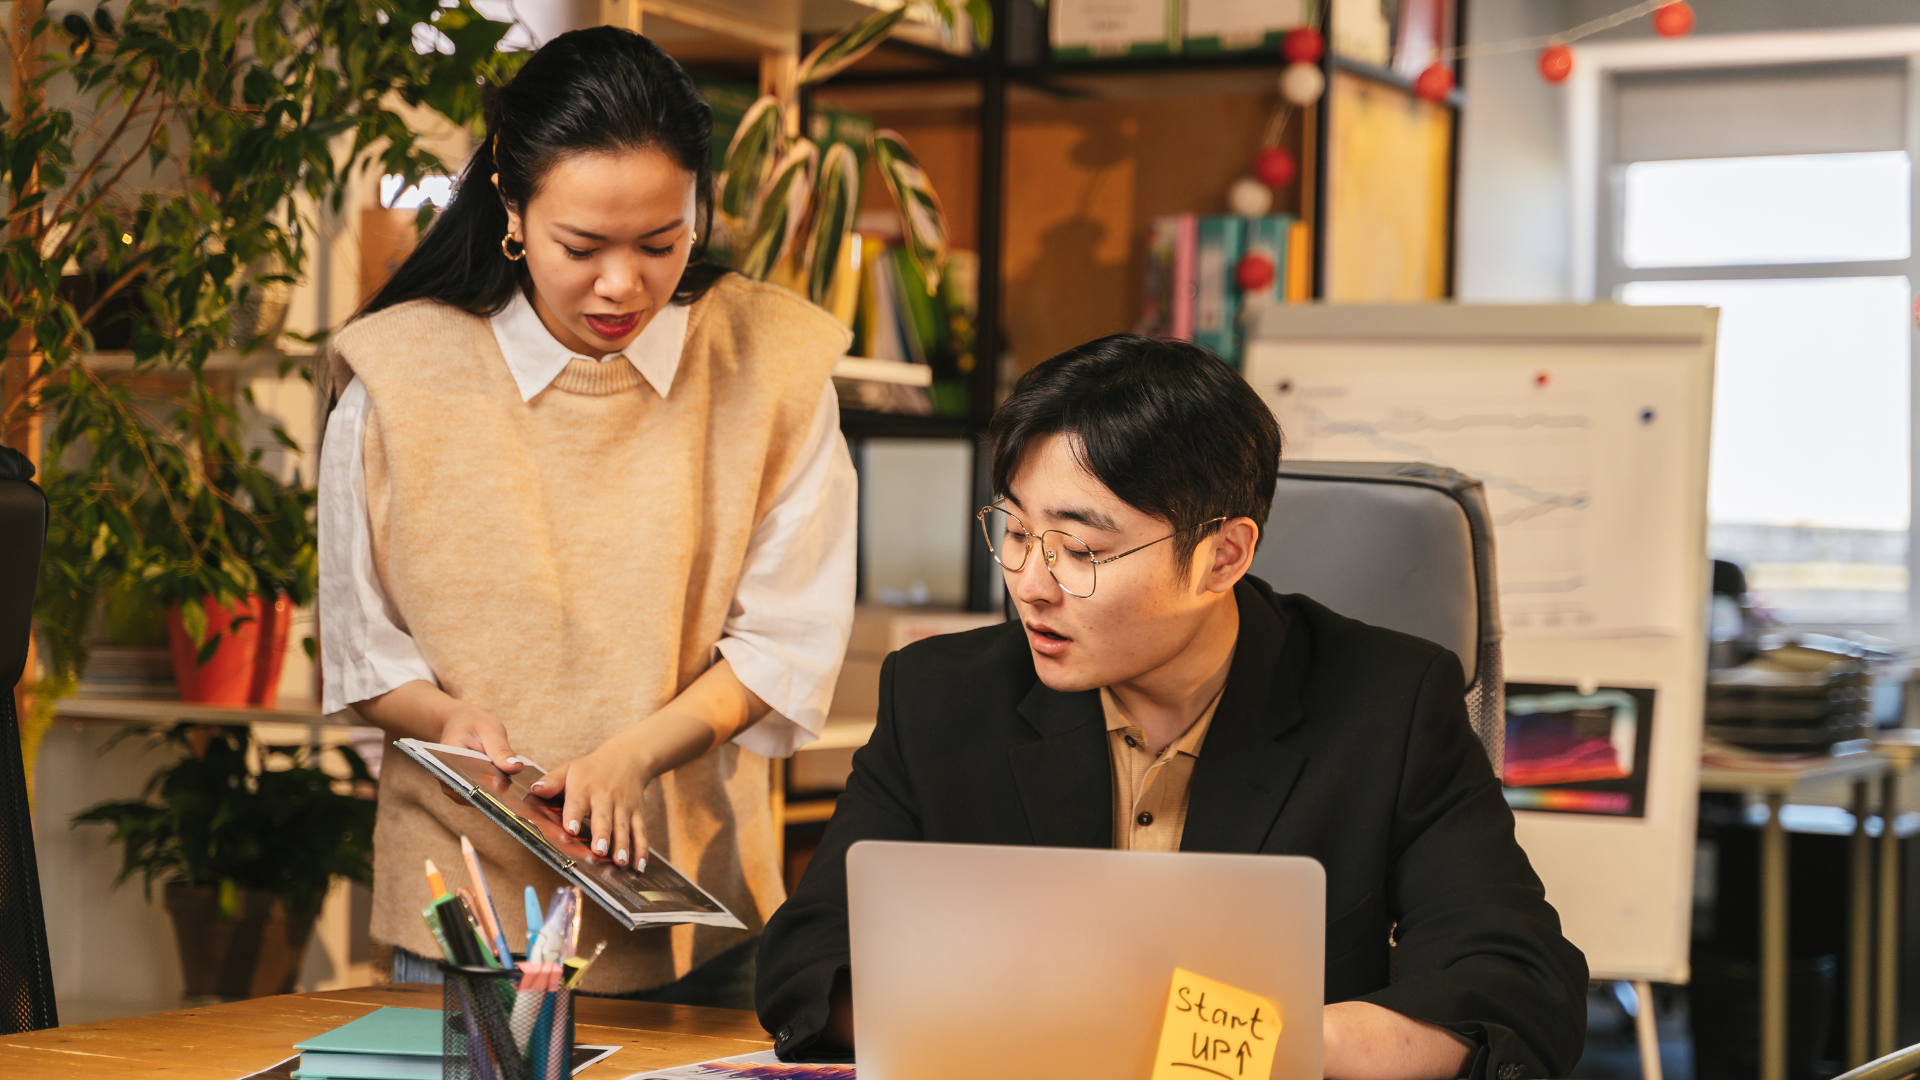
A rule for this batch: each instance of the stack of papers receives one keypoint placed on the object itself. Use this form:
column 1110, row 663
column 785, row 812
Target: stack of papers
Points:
column 761, row 1066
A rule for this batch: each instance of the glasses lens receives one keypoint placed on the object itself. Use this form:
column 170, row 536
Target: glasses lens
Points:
column 1071, row 562
column 1006, row 538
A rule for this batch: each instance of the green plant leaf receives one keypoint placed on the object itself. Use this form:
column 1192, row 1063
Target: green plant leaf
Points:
column 833, row 55
column 923, row 224
column 272, row 108
column 782, row 206
column 836, row 202
column 193, row 619
column 981, row 12
column 755, row 147
column 238, row 816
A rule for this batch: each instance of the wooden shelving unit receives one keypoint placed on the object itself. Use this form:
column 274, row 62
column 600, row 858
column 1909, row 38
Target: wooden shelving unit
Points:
column 1051, row 169
column 992, row 130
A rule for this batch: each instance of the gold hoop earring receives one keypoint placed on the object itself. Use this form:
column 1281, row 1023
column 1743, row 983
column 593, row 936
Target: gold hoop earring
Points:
column 692, row 238
column 508, row 252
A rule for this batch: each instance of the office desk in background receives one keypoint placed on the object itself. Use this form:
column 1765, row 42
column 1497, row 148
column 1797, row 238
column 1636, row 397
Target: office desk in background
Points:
column 1870, row 1014
column 227, row 1042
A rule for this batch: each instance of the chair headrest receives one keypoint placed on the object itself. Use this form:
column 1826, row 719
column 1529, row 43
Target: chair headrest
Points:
column 1404, row 546
column 15, row 464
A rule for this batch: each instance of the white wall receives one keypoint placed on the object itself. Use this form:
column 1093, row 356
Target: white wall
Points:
column 1513, row 228
column 1755, row 16
column 1513, row 224
column 113, row 952
column 914, row 495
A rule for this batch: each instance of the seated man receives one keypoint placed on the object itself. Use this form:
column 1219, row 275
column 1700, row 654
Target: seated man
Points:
column 1154, row 697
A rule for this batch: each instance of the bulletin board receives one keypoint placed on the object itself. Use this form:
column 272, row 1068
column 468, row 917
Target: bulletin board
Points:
column 1389, row 190
column 1589, row 427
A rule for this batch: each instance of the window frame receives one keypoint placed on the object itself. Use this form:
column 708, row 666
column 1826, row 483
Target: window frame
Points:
column 1597, row 270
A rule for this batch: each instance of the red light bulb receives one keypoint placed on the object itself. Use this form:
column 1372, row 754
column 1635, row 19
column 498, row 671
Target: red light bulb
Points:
column 1303, row 45
column 1556, row 63
column 1673, row 20
column 1275, row 167
column 1435, row 83
column 1255, row 272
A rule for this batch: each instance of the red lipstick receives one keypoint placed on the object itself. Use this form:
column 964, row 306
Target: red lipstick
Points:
column 612, row 327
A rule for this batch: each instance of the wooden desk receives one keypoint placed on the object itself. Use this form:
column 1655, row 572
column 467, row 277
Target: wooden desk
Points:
column 226, row 1042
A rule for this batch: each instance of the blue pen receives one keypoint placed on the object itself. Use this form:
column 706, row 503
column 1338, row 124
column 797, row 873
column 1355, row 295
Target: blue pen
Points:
column 534, row 919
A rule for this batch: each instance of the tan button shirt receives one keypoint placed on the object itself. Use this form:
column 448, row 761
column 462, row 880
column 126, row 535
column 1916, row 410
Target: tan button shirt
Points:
column 1150, row 793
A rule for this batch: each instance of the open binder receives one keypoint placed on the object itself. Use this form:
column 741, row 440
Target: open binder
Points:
column 657, row 896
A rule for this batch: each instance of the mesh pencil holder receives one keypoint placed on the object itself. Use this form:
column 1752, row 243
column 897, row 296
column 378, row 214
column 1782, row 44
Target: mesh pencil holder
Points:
column 492, row 1032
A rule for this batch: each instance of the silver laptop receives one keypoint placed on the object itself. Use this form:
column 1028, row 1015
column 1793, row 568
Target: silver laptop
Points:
column 972, row 961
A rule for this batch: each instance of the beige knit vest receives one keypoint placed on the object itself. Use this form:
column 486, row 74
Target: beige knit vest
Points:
column 567, row 563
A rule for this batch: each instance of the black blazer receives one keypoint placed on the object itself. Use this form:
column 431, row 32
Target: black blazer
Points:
column 1333, row 739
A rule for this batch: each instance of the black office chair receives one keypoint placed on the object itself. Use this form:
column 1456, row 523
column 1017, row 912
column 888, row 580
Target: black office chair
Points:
column 26, row 972
column 1404, row 546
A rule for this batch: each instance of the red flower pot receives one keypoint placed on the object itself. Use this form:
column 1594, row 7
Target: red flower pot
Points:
column 276, row 622
column 227, row 678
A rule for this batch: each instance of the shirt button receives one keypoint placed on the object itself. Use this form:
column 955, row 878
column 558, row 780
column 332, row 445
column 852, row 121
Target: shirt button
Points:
column 1131, row 743
column 1145, row 818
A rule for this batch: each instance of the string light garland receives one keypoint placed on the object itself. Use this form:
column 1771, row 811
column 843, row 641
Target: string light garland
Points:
column 1671, row 18
column 1302, row 82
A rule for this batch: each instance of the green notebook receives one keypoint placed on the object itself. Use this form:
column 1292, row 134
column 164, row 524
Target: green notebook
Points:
column 406, row 1032
column 317, row 1065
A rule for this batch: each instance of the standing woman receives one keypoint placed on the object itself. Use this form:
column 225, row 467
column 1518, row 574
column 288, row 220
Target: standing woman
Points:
column 584, row 498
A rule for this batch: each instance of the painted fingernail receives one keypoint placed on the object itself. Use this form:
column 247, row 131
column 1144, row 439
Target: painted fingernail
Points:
column 574, row 826
column 620, row 856
column 539, row 783
column 641, row 866
column 600, row 846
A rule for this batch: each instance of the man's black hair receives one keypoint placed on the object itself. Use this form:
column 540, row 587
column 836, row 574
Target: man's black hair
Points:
column 1166, row 425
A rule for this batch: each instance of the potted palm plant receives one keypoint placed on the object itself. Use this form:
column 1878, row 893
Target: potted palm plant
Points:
column 245, row 839
column 787, row 208
column 167, row 166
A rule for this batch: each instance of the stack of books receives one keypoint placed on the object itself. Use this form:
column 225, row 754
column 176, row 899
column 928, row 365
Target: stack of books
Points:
column 385, row 1044
column 895, row 318
column 129, row 671
column 395, row 1044
column 1192, row 288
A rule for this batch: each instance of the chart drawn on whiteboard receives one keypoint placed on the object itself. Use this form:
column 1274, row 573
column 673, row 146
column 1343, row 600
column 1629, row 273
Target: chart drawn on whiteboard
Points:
column 1535, row 463
column 1549, row 457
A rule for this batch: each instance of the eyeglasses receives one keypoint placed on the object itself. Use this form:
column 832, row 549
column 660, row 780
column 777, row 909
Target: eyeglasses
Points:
column 1067, row 557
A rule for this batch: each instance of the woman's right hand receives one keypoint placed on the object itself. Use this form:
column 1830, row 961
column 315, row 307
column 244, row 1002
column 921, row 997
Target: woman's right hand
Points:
column 470, row 726
column 421, row 710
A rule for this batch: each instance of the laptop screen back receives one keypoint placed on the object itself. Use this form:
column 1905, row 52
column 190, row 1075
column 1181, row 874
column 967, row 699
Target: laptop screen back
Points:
column 972, row 961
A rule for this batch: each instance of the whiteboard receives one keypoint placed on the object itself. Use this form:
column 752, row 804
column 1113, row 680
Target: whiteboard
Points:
column 1589, row 426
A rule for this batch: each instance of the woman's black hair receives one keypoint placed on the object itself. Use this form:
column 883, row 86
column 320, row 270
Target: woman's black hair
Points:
column 598, row 90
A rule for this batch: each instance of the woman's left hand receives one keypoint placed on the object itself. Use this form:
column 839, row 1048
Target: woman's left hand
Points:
column 603, row 789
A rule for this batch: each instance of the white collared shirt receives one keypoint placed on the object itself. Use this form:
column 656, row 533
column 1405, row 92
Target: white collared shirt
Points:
column 785, row 633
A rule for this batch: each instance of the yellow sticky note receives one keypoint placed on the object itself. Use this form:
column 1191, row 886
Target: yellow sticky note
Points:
column 1213, row 1029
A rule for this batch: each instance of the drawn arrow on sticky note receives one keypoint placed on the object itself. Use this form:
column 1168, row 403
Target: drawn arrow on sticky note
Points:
column 1215, row 1029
